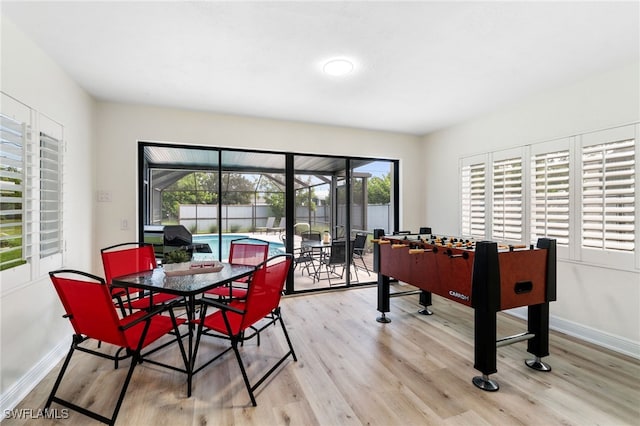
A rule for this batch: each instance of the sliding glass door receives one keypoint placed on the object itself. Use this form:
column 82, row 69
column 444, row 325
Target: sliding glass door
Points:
column 316, row 207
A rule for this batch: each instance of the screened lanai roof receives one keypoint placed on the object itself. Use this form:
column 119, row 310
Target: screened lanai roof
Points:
column 175, row 162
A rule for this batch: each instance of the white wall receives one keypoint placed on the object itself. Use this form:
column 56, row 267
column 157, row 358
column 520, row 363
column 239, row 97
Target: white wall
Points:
column 602, row 305
column 120, row 127
column 34, row 334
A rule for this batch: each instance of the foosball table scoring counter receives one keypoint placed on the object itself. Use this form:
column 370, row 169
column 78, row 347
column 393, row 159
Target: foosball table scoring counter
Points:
column 484, row 275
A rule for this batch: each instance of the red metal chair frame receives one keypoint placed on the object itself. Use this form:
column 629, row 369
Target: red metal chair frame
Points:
column 242, row 253
column 88, row 305
column 128, row 258
column 233, row 319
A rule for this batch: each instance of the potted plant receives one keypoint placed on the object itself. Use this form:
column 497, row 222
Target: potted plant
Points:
column 176, row 260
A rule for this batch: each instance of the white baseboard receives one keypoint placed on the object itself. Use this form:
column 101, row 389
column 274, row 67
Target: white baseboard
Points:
column 16, row 393
column 588, row 334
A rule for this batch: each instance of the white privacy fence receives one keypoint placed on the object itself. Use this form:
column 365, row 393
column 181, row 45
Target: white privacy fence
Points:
column 203, row 218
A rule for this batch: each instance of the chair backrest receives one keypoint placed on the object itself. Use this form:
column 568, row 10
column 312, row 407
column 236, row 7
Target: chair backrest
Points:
column 265, row 289
column 88, row 305
column 311, row 236
column 270, row 221
column 359, row 242
column 243, row 252
column 177, row 236
column 127, row 258
column 338, row 253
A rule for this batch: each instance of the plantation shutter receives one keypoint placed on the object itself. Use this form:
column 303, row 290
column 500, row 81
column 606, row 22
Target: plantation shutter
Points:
column 473, row 200
column 550, row 196
column 507, row 199
column 608, row 194
column 50, row 195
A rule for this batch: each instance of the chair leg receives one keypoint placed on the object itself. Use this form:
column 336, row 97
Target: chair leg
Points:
column 110, row 421
column 59, row 378
column 286, row 336
column 135, row 359
column 364, row 265
column 234, row 345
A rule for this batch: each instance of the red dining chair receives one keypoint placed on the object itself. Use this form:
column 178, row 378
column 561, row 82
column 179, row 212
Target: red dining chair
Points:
column 128, row 258
column 89, row 307
column 244, row 251
column 260, row 310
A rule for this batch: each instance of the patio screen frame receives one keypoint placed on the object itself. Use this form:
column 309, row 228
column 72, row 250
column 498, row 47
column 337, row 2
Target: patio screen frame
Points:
column 314, row 160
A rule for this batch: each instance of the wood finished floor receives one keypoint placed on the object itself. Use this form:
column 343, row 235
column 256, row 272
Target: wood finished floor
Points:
column 351, row 370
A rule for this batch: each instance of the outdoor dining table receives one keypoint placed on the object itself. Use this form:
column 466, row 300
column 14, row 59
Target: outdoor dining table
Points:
column 189, row 285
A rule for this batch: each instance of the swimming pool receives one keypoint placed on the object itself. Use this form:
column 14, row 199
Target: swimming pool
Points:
column 275, row 248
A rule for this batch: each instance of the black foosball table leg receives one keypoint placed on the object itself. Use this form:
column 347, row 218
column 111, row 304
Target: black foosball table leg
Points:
column 485, row 383
column 538, row 364
column 383, row 298
column 539, row 344
column 383, row 318
column 425, row 301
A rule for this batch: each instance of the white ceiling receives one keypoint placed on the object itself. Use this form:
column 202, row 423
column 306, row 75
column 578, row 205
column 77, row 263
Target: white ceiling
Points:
column 420, row 66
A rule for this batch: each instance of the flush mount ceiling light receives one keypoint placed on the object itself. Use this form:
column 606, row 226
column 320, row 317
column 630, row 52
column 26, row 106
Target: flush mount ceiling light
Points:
column 338, row 67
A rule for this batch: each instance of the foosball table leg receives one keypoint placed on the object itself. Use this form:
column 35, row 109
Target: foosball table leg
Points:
column 383, row 318
column 425, row 301
column 538, row 364
column 485, row 383
column 383, row 298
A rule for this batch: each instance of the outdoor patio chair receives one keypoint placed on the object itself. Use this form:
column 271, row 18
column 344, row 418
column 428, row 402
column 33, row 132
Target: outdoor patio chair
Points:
column 244, row 251
column 269, row 224
column 359, row 245
column 128, row 258
column 307, row 257
column 88, row 306
column 260, row 310
column 337, row 258
column 280, row 228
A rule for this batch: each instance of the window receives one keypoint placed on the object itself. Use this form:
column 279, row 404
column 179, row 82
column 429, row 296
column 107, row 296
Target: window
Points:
column 579, row 190
column 608, row 194
column 12, row 191
column 550, row 196
column 31, row 151
column 507, row 197
column 473, row 200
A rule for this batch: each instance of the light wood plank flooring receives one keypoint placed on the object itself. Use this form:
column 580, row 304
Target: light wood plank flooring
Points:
column 351, row 370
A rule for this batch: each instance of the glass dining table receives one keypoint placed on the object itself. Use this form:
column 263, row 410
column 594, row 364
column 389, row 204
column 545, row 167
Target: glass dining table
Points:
column 190, row 285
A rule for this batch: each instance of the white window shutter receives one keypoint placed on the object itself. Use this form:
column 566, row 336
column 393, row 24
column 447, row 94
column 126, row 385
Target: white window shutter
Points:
column 507, row 200
column 608, row 195
column 473, row 200
column 550, row 196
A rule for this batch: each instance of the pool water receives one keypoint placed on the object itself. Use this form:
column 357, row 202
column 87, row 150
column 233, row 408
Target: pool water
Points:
column 275, row 248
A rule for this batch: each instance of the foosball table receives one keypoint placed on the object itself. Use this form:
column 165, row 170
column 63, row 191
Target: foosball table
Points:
column 484, row 275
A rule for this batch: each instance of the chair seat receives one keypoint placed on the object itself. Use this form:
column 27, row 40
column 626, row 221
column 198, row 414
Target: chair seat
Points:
column 216, row 321
column 228, row 292
column 160, row 325
column 145, row 302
